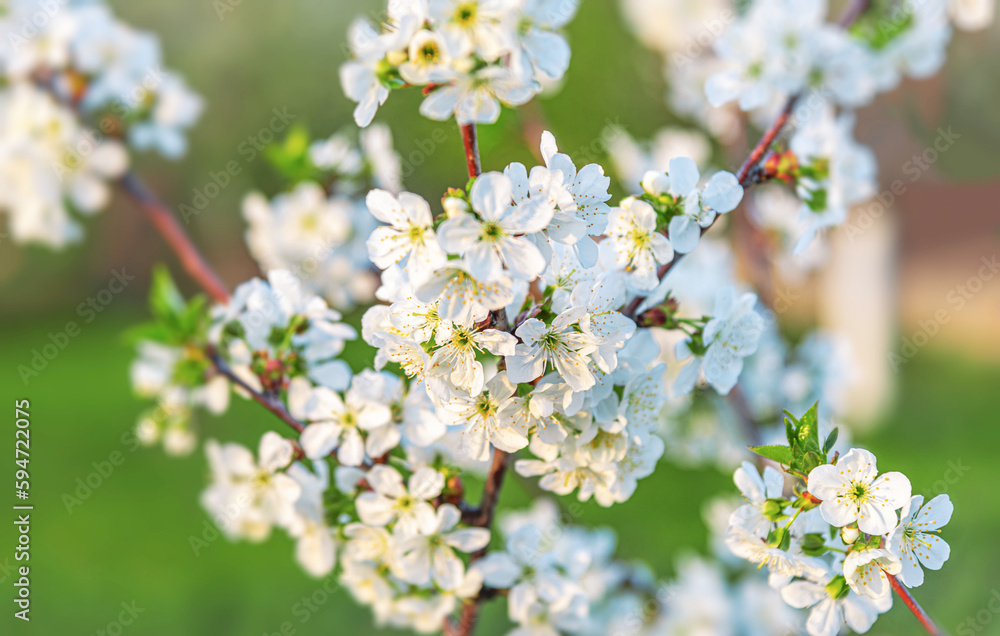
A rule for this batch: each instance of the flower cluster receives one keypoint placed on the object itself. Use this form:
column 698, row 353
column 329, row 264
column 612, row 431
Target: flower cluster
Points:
column 722, row 59
column 270, row 334
column 249, row 496
column 318, row 229
column 564, row 579
column 834, row 544
column 273, row 331
column 77, row 86
column 778, row 49
column 400, row 545
column 470, row 56
column 511, row 272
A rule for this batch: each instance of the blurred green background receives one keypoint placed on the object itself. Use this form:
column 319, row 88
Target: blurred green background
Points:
column 130, row 540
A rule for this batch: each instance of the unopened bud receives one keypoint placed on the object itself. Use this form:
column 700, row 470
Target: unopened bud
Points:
column 781, row 165
column 454, row 206
column 654, row 317
column 454, row 490
column 849, row 534
column 655, row 183
column 807, row 502
column 774, row 509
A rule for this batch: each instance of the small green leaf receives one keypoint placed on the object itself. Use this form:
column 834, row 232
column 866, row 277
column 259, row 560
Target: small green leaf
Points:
column 831, row 439
column 165, row 301
column 149, row 331
column 291, row 157
column 809, row 428
column 790, row 428
column 774, row 452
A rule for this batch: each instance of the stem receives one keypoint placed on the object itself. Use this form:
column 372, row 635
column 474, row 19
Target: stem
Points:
column 744, row 173
column 482, row 516
column 914, row 606
column 852, row 12
column 272, row 404
column 471, row 150
column 165, row 222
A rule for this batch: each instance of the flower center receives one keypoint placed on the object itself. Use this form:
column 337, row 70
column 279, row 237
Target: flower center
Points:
column 416, row 234
column 405, row 502
column 465, row 13
column 859, row 492
column 640, row 237
column 261, row 479
column 492, row 232
column 462, row 339
column 486, row 407
column 430, row 53
column 309, row 222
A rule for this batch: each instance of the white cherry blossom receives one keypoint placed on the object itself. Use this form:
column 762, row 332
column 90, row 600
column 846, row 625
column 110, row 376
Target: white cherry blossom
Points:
column 852, row 491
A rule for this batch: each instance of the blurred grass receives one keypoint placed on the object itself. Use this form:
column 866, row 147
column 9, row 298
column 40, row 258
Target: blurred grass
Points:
column 130, row 539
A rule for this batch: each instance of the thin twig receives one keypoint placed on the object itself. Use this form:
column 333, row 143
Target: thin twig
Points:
column 482, row 515
column 164, row 220
column 272, row 404
column 914, row 606
column 743, row 175
column 471, row 150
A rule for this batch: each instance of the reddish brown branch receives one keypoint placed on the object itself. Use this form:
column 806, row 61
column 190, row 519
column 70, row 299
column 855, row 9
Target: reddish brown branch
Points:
column 760, row 150
column 852, row 12
column 471, row 150
column 165, row 222
column 481, row 516
column 913, row 606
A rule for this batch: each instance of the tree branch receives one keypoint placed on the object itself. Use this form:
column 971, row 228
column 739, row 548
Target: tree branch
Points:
column 913, row 606
column 165, row 222
column 271, row 403
column 471, row 150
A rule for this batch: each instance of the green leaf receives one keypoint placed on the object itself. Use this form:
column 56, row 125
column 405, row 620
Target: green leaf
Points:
column 790, row 422
column 809, row 428
column 817, row 200
column 194, row 320
column 774, row 452
column 831, row 439
column 149, row 331
column 813, row 545
column 291, row 157
column 165, row 301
